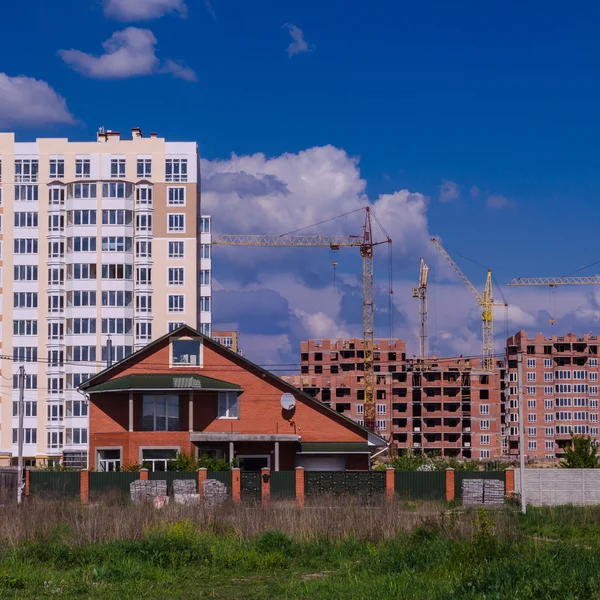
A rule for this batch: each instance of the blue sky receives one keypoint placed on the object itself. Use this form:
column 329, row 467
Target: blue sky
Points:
column 496, row 102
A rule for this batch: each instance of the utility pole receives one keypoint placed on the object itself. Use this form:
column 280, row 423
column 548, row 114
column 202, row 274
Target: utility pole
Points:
column 20, row 478
column 521, row 432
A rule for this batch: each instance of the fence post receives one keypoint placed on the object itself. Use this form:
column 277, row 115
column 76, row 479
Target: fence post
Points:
column 202, row 476
column 236, row 488
column 27, row 475
column 84, row 486
column 449, row 485
column 300, row 486
column 390, row 475
column 509, row 482
column 143, row 474
column 265, row 486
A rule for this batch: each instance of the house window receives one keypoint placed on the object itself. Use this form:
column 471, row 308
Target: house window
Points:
column 228, row 406
column 176, row 196
column 176, row 250
column 109, row 460
column 186, row 352
column 176, row 223
column 176, row 302
column 82, row 168
column 144, row 168
column 157, row 459
column 117, row 167
column 160, row 413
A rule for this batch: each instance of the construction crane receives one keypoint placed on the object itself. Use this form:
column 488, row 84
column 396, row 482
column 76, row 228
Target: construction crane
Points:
column 485, row 300
column 365, row 244
column 421, row 293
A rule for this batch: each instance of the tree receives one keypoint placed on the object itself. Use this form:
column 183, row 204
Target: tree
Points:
column 581, row 454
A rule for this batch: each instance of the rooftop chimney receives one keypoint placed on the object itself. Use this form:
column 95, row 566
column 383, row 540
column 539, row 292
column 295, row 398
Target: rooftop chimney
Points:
column 136, row 133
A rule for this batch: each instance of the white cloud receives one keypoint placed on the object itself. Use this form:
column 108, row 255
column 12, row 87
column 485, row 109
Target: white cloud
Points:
column 142, row 10
column 320, row 325
column 498, row 201
column 298, row 45
column 449, row 191
column 127, row 53
column 29, row 101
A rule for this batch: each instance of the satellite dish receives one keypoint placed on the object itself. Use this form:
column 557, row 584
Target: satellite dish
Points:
column 288, row 402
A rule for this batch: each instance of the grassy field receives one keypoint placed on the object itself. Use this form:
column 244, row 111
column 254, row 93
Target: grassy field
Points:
column 337, row 550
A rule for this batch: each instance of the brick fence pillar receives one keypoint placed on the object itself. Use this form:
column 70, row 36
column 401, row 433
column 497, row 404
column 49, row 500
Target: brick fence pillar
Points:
column 509, row 482
column 27, row 476
column 202, row 476
column 389, row 483
column 265, row 486
column 84, row 486
column 449, row 485
column 143, row 474
column 236, row 487
column 299, row 486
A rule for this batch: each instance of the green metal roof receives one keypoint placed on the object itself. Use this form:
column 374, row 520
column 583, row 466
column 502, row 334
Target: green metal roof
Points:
column 335, row 447
column 162, row 381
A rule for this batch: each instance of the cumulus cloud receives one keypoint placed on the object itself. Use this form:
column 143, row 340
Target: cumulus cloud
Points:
column 142, row 10
column 498, row 201
column 298, row 43
column 127, row 53
column 449, row 191
column 29, row 101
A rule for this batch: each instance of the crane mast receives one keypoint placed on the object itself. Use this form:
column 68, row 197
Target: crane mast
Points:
column 421, row 293
column 365, row 244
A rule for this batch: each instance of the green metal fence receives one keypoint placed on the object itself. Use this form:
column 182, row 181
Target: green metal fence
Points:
column 365, row 483
column 250, row 484
column 459, row 476
column 283, row 485
column 111, row 483
column 420, row 485
column 170, row 476
column 54, row 483
column 222, row 476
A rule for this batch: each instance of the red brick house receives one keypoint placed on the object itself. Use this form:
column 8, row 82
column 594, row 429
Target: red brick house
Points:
column 186, row 392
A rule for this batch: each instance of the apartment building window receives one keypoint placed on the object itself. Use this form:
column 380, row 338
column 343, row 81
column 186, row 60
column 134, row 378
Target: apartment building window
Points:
column 143, row 276
column 30, row 383
column 564, row 416
column 25, row 354
column 144, row 168
column 205, row 225
column 548, row 418
column 76, row 379
column 56, row 249
column 547, row 376
column 55, row 385
column 531, row 363
column 593, row 404
column 548, row 404
column 81, row 217
column 484, row 409
column 25, row 273
column 55, row 331
column 531, row 404
column 204, row 250
column 580, row 388
column 175, row 276
column 25, row 327
column 77, row 408
column 83, row 326
column 161, row 413
column 176, row 170
column 55, row 439
column 550, row 431
column 117, row 167
column 143, row 249
column 143, row 303
column 26, row 170
column 593, row 417
column 76, row 436
column 82, row 168
column 57, row 168
column 176, row 250
column 547, row 363
column 204, row 303
column 484, row 440
column 580, row 416
column 143, row 195
column 579, row 401
column 117, row 271
column 563, row 374
column 594, row 431
column 176, row 303
column 81, row 353
column 380, row 409
column 55, row 358
column 360, row 409
column 117, row 190
column 549, row 445
column 531, row 445
column 381, row 424
column 29, row 435
column 29, row 408
column 530, row 376
column 563, row 402
column 485, row 424
column 143, row 222
column 563, row 388
column 531, row 418
column 117, row 325
column 56, row 196
column 26, row 193
column 512, row 391
column 26, row 219
column 117, row 217
column 512, row 377
column 56, row 276
column 82, row 244
column 593, row 363
column 25, row 300
column 143, row 331
column 580, row 429
column 531, row 391
column 176, row 223
column 548, row 391
column 204, row 277
column 173, row 325
column 593, row 376
column 116, row 244
column 56, row 223
column 176, row 196
column 81, row 298
column 118, row 353
column 578, row 374
column 26, row 246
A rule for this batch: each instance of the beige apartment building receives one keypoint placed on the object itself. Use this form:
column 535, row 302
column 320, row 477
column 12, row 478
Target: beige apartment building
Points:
column 102, row 245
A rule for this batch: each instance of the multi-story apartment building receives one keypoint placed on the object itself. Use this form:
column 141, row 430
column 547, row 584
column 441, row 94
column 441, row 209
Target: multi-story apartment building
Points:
column 448, row 406
column 229, row 339
column 99, row 241
column 560, row 392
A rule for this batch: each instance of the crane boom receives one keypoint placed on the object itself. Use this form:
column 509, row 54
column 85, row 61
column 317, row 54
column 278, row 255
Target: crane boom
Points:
column 366, row 244
column 457, row 269
column 554, row 281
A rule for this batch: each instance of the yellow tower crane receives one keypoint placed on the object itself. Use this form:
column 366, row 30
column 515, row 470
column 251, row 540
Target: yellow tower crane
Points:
column 365, row 243
column 421, row 293
column 485, row 300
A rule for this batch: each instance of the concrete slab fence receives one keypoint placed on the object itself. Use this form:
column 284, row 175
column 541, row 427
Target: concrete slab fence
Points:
column 555, row 487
